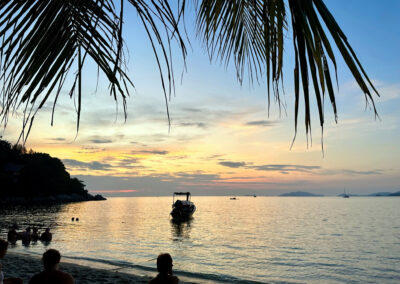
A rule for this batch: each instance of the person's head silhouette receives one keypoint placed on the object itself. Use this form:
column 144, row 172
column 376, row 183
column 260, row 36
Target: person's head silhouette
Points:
column 164, row 268
column 164, row 263
column 51, row 259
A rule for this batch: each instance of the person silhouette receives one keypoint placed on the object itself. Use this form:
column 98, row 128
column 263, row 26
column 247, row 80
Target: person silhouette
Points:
column 35, row 234
column 51, row 274
column 46, row 236
column 164, row 268
column 12, row 235
column 27, row 237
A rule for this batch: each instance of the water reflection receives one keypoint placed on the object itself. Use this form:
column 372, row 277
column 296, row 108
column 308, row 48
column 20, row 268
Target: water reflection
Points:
column 291, row 239
column 23, row 217
column 28, row 224
column 181, row 230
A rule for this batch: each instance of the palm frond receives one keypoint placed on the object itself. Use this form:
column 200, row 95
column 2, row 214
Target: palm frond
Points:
column 162, row 24
column 42, row 40
column 251, row 34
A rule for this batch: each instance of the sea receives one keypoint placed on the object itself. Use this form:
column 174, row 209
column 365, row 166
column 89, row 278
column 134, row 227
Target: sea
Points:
column 247, row 240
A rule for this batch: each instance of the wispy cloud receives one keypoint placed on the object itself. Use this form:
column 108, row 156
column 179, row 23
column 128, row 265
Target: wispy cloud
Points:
column 149, row 152
column 351, row 172
column 128, row 163
column 213, row 157
column 389, row 91
column 288, row 168
column 128, row 160
column 138, row 143
column 232, row 164
column 283, row 168
column 58, row 139
column 189, row 109
column 197, row 176
column 193, row 124
column 264, row 123
column 90, row 149
column 97, row 166
column 101, row 141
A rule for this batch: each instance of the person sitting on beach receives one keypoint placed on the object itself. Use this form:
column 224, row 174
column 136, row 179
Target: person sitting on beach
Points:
column 164, row 268
column 3, row 251
column 51, row 274
column 35, row 234
column 12, row 235
column 46, row 236
column 26, row 237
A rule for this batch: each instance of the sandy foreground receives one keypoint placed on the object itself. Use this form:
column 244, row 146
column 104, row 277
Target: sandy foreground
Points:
column 25, row 266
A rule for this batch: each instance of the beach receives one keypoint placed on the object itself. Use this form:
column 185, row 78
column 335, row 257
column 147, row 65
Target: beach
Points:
column 25, row 266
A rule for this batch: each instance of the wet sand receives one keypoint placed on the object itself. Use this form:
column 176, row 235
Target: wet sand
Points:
column 25, row 266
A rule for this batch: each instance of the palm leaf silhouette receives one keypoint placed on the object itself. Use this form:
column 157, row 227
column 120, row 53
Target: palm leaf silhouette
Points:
column 251, row 34
column 42, row 40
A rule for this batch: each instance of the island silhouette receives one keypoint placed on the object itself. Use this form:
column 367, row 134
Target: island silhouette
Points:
column 31, row 177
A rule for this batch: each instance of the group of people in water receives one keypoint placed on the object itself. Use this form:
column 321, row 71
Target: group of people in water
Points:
column 52, row 274
column 28, row 236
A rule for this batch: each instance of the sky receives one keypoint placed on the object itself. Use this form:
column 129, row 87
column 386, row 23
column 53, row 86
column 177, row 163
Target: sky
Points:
column 222, row 140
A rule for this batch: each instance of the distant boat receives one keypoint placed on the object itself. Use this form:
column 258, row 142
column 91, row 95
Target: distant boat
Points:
column 345, row 195
column 254, row 195
column 182, row 210
column 233, row 198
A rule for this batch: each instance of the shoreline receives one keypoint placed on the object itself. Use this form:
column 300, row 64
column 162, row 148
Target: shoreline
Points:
column 25, row 266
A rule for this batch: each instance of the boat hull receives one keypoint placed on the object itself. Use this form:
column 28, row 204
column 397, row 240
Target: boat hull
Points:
column 183, row 214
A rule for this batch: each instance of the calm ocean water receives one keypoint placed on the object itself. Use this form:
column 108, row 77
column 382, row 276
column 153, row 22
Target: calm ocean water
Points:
column 263, row 239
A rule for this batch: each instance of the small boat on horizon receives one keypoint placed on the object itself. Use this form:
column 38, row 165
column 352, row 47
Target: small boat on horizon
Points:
column 182, row 210
column 345, row 195
column 233, row 198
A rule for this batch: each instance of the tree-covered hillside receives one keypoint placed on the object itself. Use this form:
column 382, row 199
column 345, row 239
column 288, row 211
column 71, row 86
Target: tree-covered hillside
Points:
column 27, row 175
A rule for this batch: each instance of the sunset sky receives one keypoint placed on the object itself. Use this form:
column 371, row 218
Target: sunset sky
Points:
column 221, row 140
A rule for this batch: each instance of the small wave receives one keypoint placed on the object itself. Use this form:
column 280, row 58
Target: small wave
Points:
column 293, row 248
column 115, row 263
column 220, row 278
column 304, row 264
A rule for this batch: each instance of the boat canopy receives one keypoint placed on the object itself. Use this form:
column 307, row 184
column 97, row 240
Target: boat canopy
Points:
column 183, row 193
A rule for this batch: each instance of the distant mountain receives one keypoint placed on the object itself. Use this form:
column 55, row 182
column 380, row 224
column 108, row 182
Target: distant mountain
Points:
column 300, row 194
column 395, row 194
column 380, row 194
